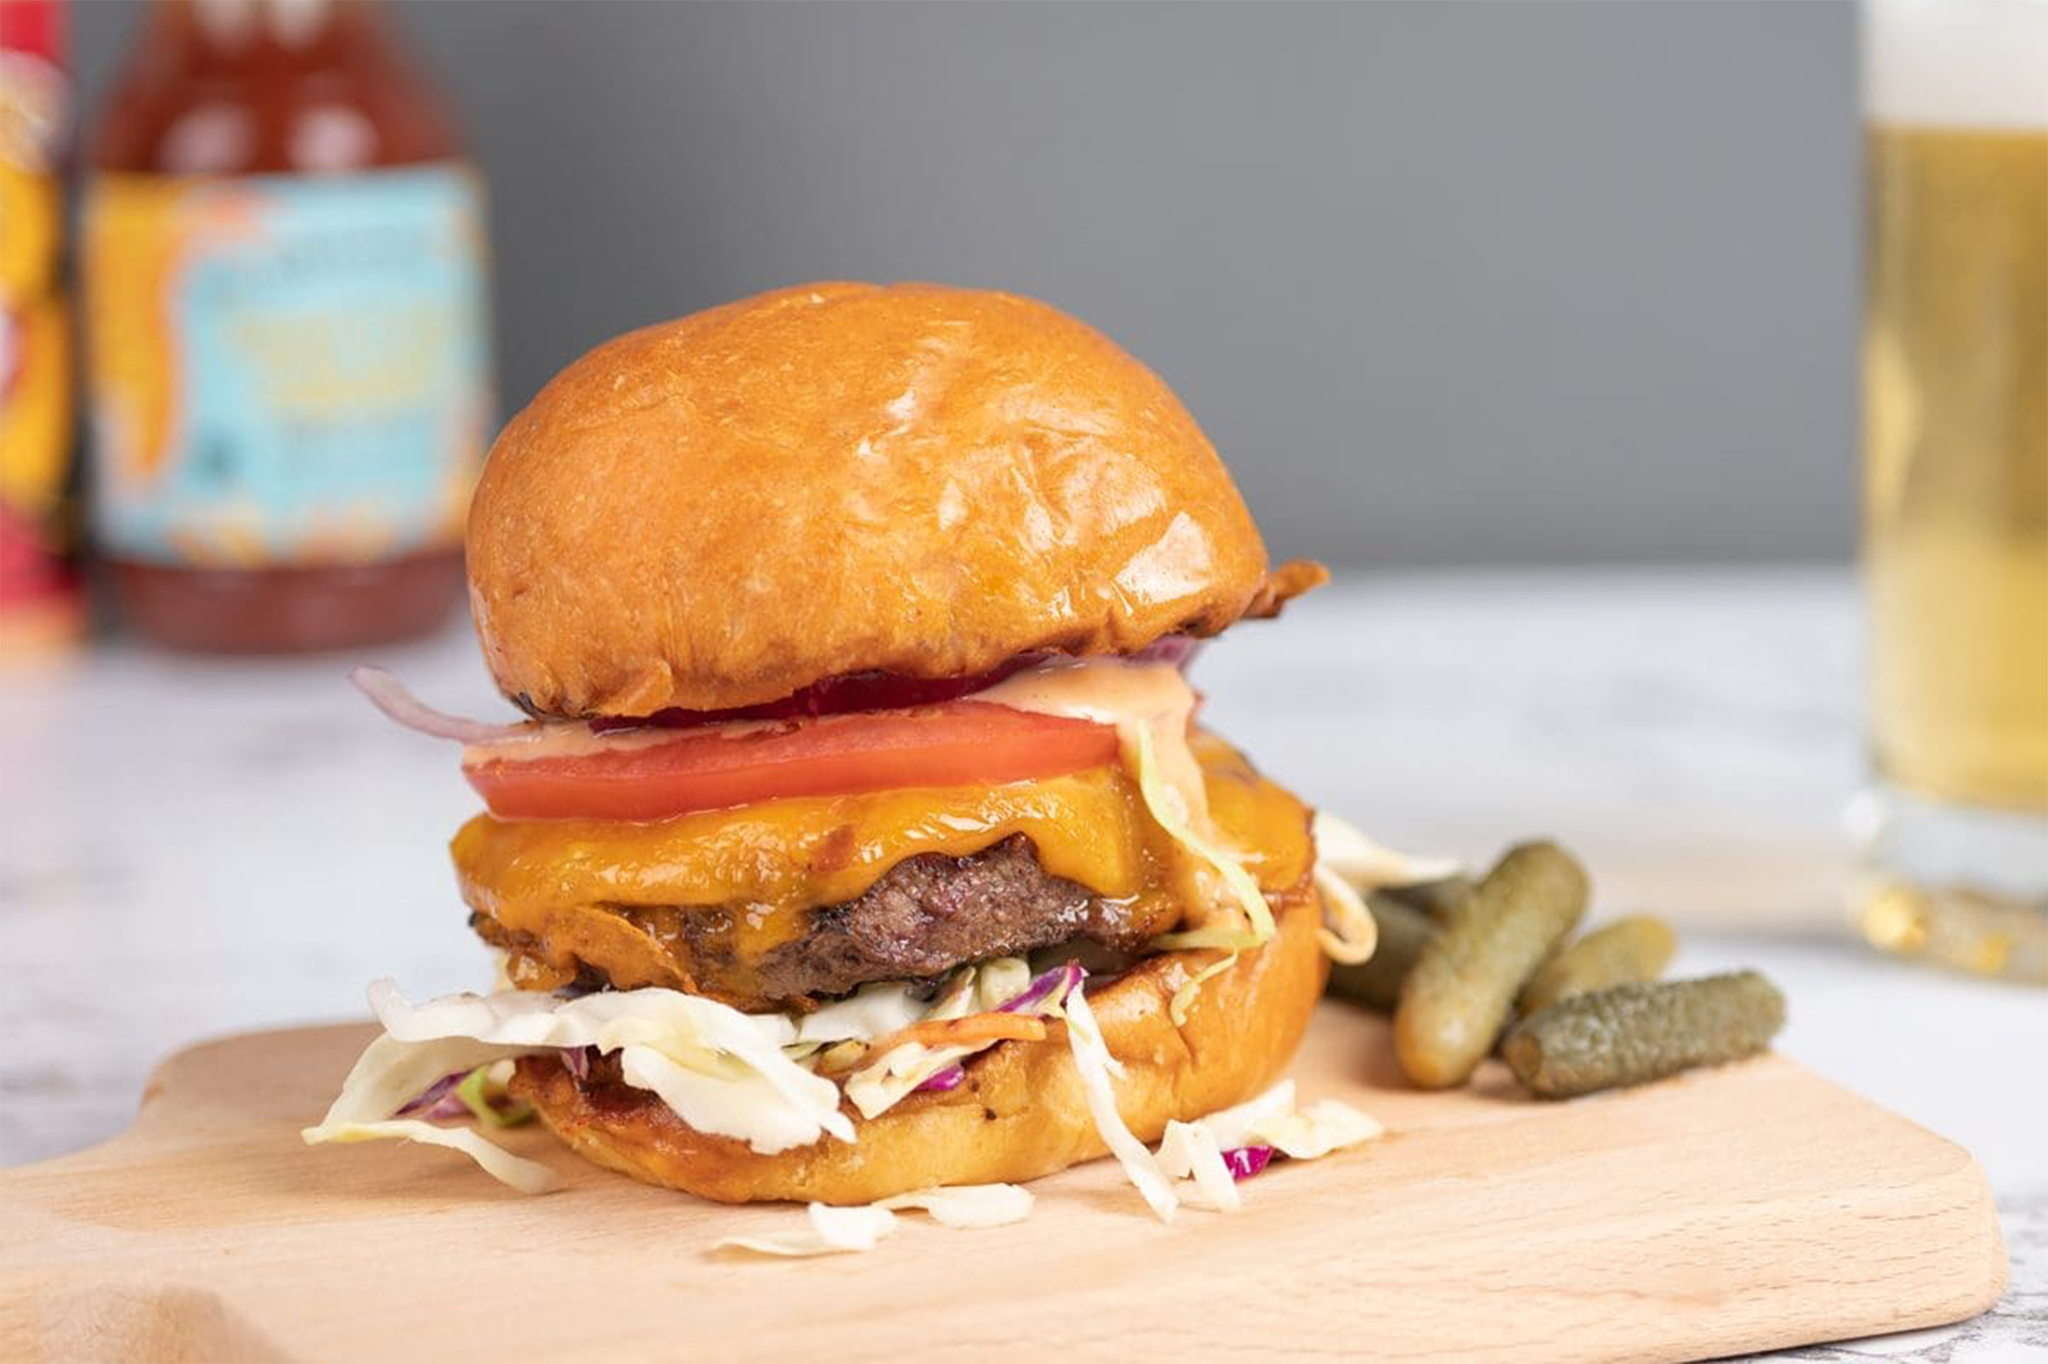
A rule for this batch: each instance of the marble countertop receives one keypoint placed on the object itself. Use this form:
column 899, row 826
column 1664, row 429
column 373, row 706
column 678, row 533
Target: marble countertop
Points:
column 191, row 847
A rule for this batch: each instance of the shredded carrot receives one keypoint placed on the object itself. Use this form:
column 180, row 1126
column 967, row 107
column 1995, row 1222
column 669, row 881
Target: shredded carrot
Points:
column 971, row 1031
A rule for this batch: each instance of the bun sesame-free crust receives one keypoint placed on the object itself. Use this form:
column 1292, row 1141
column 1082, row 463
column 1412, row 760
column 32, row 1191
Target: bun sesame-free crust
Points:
column 840, row 478
column 1019, row 1114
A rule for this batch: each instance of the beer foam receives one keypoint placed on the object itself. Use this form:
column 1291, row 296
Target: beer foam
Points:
column 1939, row 63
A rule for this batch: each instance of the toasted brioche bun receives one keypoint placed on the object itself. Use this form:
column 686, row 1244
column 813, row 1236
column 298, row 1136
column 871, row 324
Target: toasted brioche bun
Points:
column 838, row 478
column 1020, row 1114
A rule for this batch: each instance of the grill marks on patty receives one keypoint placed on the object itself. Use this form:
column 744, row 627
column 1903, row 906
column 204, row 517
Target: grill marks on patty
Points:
column 924, row 916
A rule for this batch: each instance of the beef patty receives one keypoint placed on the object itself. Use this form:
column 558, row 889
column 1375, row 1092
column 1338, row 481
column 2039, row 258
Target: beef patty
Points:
column 931, row 913
column 924, row 916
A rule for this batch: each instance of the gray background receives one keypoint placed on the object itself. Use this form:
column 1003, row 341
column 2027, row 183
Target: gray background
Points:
column 1445, row 282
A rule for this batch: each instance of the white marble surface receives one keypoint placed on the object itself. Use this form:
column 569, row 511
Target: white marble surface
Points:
column 191, row 847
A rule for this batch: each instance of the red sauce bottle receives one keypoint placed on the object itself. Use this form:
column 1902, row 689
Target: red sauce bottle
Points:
column 284, row 269
column 41, row 607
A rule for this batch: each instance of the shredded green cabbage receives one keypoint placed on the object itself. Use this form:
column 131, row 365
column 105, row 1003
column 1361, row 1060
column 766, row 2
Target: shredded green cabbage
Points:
column 722, row 1071
column 482, row 1092
column 1184, row 997
column 1189, row 1150
column 829, row 1231
column 752, row 1077
column 1258, row 926
column 884, row 1080
column 1324, row 1126
column 1348, row 933
column 1274, row 1119
column 1000, row 980
column 1160, row 800
column 1098, row 1069
column 871, row 1011
column 1369, row 865
column 1195, row 1150
column 881, row 1084
column 967, row 1206
column 527, row 1176
column 1232, row 1127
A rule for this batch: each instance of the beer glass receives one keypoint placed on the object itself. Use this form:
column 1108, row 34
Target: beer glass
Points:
column 1955, row 429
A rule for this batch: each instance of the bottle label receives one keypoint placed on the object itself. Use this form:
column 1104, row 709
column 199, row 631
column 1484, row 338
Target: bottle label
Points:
column 39, row 599
column 285, row 370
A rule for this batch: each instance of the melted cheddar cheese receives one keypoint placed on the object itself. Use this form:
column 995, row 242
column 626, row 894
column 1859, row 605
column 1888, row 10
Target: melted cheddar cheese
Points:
column 694, row 901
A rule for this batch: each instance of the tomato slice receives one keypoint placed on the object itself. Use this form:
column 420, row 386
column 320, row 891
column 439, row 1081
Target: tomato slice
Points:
column 959, row 743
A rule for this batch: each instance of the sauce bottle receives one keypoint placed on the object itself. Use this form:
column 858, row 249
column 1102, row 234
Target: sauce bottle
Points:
column 41, row 606
column 284, row 274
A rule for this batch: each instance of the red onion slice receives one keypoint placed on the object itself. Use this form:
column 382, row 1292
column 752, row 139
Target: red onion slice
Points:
column 389, row 695
column 831, row 696
column 864, row 691
column 1177, row 650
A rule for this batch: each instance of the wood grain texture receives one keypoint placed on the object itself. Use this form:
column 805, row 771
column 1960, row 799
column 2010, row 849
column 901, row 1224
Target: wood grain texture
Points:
column 1748, row 1208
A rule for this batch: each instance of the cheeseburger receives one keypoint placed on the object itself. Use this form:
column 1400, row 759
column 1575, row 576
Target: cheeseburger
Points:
column 861, row 837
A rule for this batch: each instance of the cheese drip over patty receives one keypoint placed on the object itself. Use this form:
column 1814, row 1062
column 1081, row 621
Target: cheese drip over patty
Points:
column 1183, row 831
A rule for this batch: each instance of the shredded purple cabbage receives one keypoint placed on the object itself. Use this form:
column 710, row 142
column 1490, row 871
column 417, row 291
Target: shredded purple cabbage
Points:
column 946, row 1079
column 1062, row 978
column 576, row 1060
column 1245, row 1161
column 1058, row 981
column 439, row 1099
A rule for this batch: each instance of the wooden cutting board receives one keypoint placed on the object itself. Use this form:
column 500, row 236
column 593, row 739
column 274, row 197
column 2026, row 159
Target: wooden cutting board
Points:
column 1735, row 1210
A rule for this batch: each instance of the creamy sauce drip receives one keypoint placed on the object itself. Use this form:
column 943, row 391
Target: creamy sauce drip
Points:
column 1127, row 696
column 1150, row 705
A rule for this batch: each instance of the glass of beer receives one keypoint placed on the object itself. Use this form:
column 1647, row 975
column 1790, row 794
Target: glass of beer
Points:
column 1955, row 429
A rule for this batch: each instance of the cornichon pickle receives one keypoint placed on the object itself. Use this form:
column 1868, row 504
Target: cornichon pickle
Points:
column 1630, row 1034
column 1376, row 982
column 1438, row 899
column 1631, row 949
column 1458, row 996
